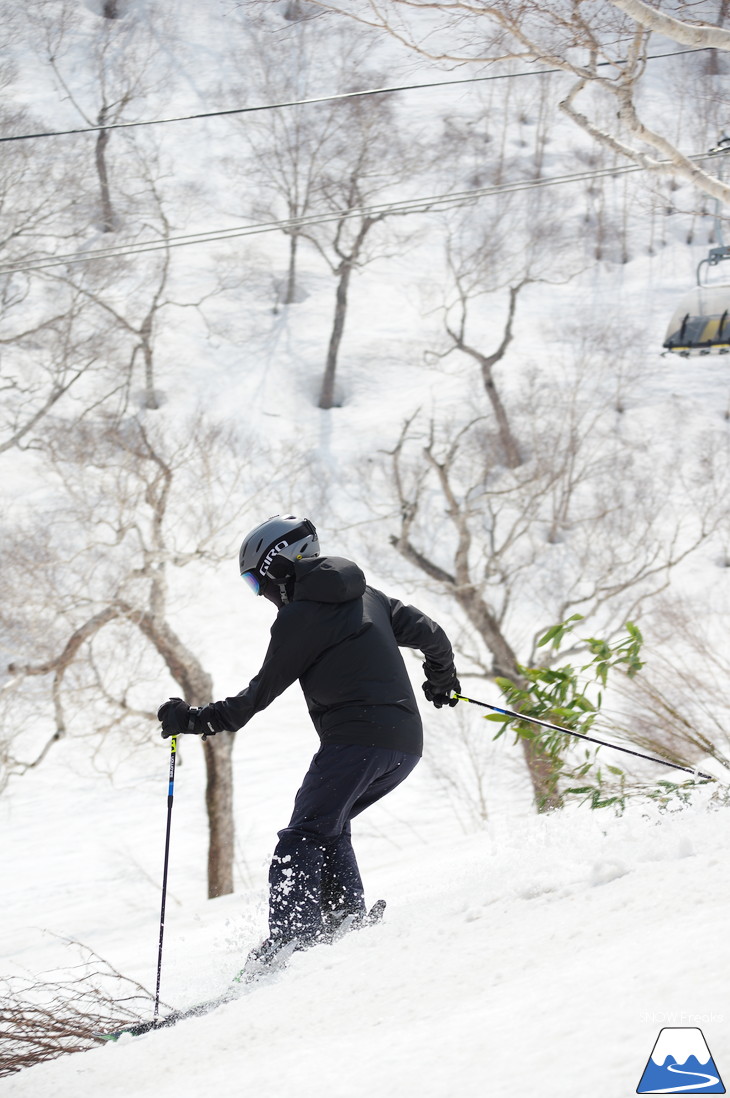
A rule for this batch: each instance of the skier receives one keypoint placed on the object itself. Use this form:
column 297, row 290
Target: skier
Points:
column 340, row 638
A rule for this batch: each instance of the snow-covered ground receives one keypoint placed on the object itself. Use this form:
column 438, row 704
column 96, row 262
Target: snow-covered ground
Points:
column 542, row 955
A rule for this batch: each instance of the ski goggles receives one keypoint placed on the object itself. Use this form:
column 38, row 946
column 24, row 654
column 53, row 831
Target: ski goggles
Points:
column 252, row 582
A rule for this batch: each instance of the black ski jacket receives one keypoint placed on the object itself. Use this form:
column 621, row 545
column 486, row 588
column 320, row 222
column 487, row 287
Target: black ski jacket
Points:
column 340, row 638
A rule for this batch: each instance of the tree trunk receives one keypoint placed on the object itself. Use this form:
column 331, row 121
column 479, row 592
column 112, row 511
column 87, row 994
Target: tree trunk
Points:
column 219, row 803
column 291, row 278
column 507, row 439
column 197, row 689
column 107, row 213
column 487, row 363
column 686, row 34
column 542, row 774
column 486, row 625
column 295, row 12
column 713, row 62
column 539, row 763
column 327, row 393
column 150, row 396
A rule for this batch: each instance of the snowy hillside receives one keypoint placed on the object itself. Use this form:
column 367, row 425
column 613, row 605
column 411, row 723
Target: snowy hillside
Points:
column 542, row 955
column 519, row 953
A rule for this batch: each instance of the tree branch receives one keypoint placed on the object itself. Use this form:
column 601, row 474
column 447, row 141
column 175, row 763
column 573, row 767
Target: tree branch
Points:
column 687, row 34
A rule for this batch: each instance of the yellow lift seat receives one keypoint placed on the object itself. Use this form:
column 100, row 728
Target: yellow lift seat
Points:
column 700, row 324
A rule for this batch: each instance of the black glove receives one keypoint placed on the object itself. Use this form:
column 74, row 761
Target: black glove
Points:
column 438, row 688
column 177, row 718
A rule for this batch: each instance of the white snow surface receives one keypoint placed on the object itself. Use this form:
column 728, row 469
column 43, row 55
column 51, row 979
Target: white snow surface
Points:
column 538, row 956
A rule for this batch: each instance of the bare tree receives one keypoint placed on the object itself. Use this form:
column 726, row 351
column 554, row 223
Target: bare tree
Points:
column 36, row 205
column 321, row 168
column 51, row 346
column 372, row 157
column 46, row 351
column 122, row 64
column 602, row 48
column 504, row 245
column 678, row 706
column 133, row 297
column 487, row 362
column 135, row 504
column 582, row 525
column 134, row 306
column 348, row 248
column 289, row 151
column 60, row 1013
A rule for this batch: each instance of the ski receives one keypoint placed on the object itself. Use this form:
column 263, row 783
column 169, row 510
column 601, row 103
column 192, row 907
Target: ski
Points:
column 360, row 922
column 245, row 978
column 376, row 912
column 374, row 915
column 171, row 1019
column 259, row 965
column 252, row 973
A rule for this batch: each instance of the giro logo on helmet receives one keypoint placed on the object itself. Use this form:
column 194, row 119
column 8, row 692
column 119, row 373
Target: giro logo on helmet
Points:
column 266, row 562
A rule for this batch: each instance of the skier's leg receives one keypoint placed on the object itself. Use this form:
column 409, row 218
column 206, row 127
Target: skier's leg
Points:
column 294, row 887
column 394, row 771
column 342, row 888
column 319, row 814
column 341, row 782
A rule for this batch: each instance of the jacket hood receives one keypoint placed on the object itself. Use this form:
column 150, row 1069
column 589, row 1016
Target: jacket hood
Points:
column 328, row 579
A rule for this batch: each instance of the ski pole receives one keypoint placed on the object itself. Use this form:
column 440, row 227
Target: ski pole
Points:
column 170, row 794
column 581, row 735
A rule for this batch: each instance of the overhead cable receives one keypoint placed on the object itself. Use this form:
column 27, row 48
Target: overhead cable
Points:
column 318, row 99
column 425, row 204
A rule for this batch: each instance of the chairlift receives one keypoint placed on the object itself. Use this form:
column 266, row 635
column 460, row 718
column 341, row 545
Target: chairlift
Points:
column 700, row 324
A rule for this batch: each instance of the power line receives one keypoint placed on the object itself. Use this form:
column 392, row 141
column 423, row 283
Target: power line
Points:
column 321, row 99
column 425, row 204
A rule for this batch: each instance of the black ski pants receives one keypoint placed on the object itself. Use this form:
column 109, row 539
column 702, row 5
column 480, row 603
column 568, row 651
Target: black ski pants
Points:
column 314, row 872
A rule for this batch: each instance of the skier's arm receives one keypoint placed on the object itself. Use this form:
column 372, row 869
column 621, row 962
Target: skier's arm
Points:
column 414, row 629
column 283, row 664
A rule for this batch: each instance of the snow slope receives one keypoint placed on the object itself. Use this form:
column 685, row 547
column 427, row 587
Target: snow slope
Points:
column 541, row 956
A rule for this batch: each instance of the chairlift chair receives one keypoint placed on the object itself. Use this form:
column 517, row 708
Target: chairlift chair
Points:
column 700, row 324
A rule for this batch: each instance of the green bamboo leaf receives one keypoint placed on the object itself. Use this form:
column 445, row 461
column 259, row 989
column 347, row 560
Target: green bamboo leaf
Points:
column 552, row 632
column 582, row 702
column 504, row 684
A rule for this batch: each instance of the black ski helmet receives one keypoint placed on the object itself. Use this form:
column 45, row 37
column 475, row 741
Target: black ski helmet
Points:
column 281, row 535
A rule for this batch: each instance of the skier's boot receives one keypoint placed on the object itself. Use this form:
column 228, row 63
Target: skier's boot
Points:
column 375, row 914
column 340, row 922
column 272, row 954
